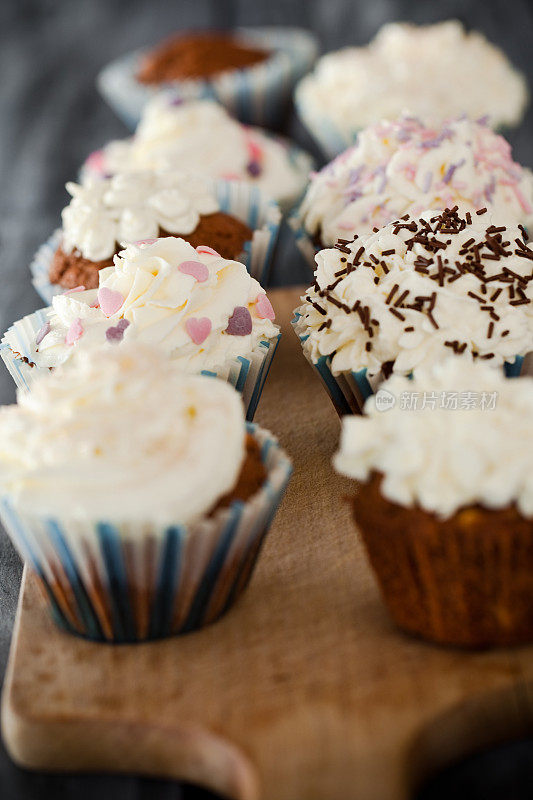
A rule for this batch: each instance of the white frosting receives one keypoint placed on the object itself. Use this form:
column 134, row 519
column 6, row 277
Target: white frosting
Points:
column 159, row 302
column 133, row 206
column 445, row 458
column 405, row 166
column 461, row 317
column 118, row 434
column 200, row 136
column 436, row 72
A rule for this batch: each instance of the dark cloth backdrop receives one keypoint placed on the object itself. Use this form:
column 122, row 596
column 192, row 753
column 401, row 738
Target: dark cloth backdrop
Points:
column 50, row 118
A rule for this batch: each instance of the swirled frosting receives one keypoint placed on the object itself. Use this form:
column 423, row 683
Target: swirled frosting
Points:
column 200, row 136
column 200, row 309
column 405, row 166
column 419, row 290
column 467, row 441
column 86, row 442
column 132, row 206
column 435, row 71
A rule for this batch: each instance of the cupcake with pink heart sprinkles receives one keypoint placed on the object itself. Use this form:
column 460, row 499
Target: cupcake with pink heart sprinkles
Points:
column 205, row 312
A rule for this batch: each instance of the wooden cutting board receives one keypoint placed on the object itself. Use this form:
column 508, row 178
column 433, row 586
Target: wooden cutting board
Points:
column 304, row 691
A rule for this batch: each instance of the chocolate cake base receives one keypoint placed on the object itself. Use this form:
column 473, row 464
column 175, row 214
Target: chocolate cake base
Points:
column 224, row 233
column 200, row 55
column 251, row 478
column 466, row 580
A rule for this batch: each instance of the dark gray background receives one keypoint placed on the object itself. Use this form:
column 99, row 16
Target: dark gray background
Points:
column 51, row 117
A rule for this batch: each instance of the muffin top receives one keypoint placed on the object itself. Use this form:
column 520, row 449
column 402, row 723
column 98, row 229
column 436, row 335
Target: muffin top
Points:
column 132, row 206
column 455, row 435
column 118, row 434
column 200, row 136
column 421, row 289
column 200, row 309
column 436, row 72
column 197, row 55
column 405, row 166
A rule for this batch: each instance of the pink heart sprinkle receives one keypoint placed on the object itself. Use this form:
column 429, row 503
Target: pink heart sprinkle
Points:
column 75, row 331
column 198, row 328
column 203, row 249
column 76, row 289
column 196, row 269
column 110, row 301
column 145, row 241
column 264, row 309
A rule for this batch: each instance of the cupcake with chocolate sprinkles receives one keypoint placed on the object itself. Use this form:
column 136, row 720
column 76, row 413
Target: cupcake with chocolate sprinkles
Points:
column 105, row 214
column 137, row 495
column 412, row 293
column 205, row 312
column 405, row 166
column 445, row 501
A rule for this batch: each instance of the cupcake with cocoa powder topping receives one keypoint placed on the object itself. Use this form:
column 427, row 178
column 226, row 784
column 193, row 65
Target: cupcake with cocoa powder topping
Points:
column 445, row 505
column 206, row 313
column 414, row 292
column 104, row 215
column 137, row 495
column 250, row 71
column 404, row 166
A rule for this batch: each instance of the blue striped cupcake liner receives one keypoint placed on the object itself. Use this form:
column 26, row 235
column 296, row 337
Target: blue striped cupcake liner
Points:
column 247, row 374
column 303, row 240
column 241, row 200
column 135, row 581
column 349, row 390
column 258, row 95
column 329, row 138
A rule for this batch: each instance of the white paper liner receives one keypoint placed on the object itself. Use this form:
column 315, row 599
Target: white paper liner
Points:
column 132, row 581
column 247, row 374
column 258, row 95
column 241, row 200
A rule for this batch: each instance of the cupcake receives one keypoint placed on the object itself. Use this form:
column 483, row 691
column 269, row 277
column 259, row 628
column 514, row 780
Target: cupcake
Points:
column 445, row 505
column 406, row 166
column 136, row 524
column 414, row 292
column 134, row 206
column 206, row 313
column 201, row 137
column 250, row 71
column 436, row 72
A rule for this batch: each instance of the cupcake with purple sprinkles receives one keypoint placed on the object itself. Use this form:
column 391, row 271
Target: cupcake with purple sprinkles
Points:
column 411, row 294
column 404, row 166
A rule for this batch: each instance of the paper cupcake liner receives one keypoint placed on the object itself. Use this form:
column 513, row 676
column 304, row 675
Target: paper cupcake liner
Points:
column 95, row 167
column 303, row 240
column 329, row 138
column 241, row 200
column 349, row 390
column 246, row 374
column 259, row 95
column 464, row 580
column 134, row 581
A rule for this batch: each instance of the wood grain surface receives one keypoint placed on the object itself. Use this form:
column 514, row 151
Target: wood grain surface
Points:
column 304, row 690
